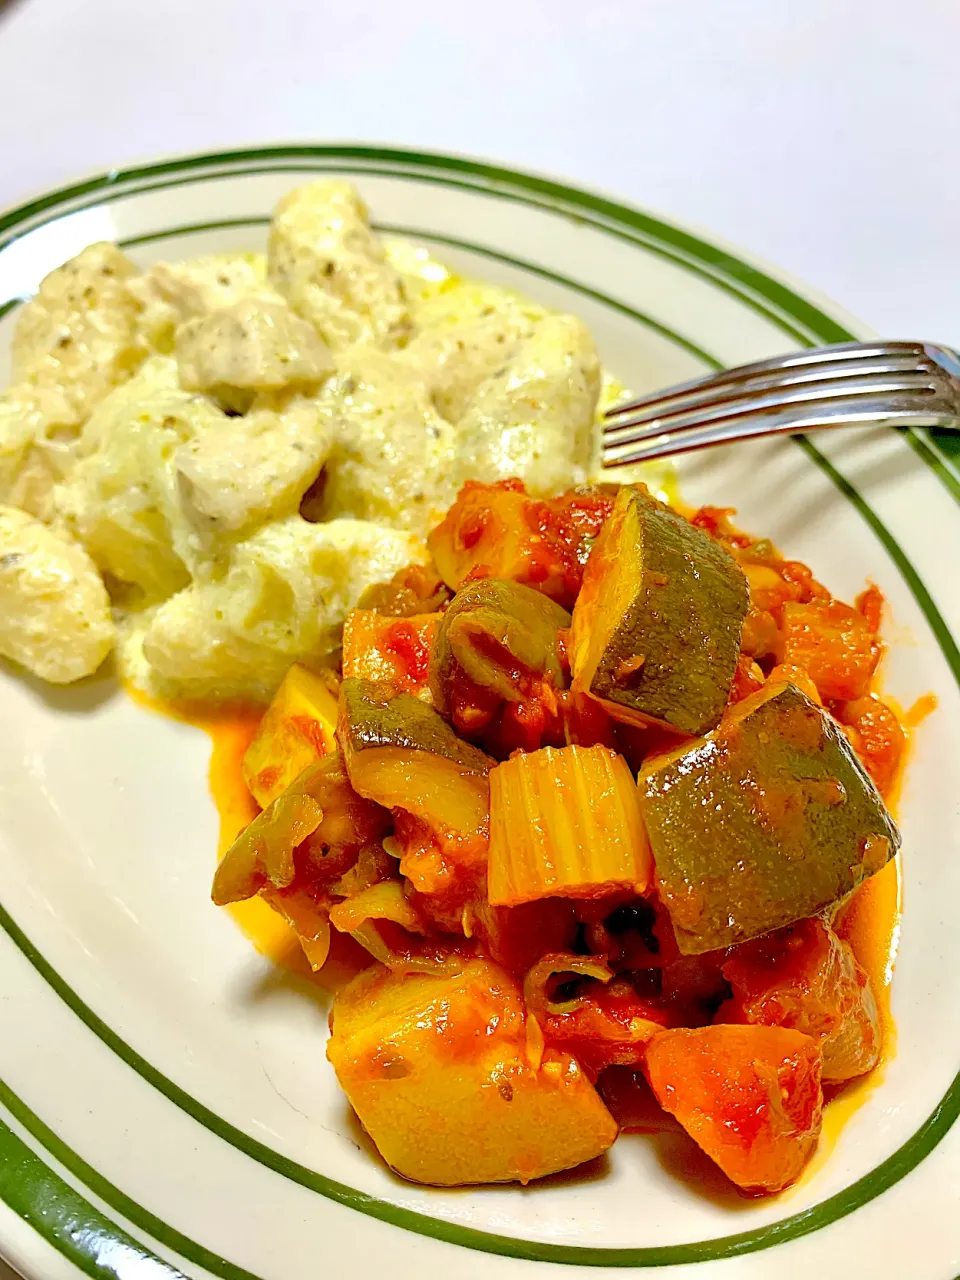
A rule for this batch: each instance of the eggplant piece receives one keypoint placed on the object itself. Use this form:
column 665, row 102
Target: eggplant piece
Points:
column 656, row 627
column 401, row 753
column 500, row 637
column 767, row 820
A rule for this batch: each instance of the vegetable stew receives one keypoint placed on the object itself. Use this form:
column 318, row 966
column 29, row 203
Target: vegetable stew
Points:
column 591, row 791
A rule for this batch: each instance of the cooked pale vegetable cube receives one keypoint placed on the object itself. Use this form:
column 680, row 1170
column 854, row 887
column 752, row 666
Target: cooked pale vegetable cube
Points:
column 565, row 823
column 749, row 1096
column 500, row 531
column 391, row 459
column 298, row 728
column 399, row 752
column 171, row 292
column 33, row 453
column 534, row 418
column 806, row 978
column 436, row 1067
column 380, row 647
column 283, row 599
column 122, row 499
column 767, row 820
column 656, row 627
column 453, row 360
column 54, row 611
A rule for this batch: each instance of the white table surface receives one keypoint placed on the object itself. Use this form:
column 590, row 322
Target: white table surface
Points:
column 822, row 136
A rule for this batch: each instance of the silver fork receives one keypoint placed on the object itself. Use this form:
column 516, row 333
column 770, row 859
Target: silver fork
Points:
column 852, row 384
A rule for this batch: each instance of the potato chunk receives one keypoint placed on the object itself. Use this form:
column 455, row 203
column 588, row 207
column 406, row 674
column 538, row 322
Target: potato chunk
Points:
column 436, row 1068
column 453, row 360
column 121, row 499
column 379, row 647
column 247, row 470
column 297, row 729
column 32, row 455
column 283, row 599
column 54, row 611
column 392, row 455
column 169, row 293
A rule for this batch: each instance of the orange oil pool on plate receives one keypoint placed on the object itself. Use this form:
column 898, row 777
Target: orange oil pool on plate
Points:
column 230, row 729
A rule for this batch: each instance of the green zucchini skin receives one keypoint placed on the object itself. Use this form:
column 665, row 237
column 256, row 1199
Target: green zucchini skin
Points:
column 498, row 635
column 767, row 820
column 665, row 604
column 373, row 716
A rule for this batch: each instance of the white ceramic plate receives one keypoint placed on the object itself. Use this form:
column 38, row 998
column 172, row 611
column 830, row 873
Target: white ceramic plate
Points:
column 165, row 1102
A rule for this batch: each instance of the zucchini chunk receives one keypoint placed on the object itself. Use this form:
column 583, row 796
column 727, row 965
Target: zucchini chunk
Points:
column 500, row 637
column 401, row 753
column 766, row 821
column 656, row 627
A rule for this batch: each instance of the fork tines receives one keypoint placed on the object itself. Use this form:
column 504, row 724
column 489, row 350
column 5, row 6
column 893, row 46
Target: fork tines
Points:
column 843, row 385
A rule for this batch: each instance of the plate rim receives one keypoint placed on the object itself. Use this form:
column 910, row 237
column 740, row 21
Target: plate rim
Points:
column 806, row 323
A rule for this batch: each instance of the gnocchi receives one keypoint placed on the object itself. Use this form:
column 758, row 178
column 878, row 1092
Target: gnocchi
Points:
column 228, row 450
column 282, row 600
column 54, row 610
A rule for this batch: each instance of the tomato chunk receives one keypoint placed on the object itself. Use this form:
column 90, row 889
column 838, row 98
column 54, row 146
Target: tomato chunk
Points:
column 877, row 738
column 749, row 1096
column 397, row 650
column 498, row 531
column 804, row 977
column 610, row 1027
column 835, row 646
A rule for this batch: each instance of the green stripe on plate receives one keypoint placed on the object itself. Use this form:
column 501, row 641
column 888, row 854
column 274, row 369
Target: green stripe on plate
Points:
column 91, row 1241
column 60, row 1202
column 813, row 1219
column 795, row 315
column 495, row 255
column 743, row 281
